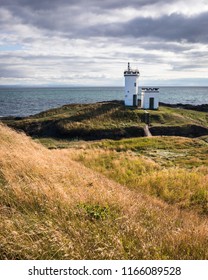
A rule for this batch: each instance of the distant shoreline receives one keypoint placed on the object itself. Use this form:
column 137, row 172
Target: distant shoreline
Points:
column 202, row 107
column 83, row 86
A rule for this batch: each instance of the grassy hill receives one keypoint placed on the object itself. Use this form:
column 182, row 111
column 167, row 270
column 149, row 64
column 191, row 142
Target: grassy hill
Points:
column 127, row 198
column 111, row 120
column 141, row 198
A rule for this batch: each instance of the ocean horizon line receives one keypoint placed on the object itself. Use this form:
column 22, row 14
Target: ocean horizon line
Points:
column 94, row 86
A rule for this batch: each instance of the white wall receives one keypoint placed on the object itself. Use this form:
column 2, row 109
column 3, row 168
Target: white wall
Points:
column 145, row 99
column 130, row 88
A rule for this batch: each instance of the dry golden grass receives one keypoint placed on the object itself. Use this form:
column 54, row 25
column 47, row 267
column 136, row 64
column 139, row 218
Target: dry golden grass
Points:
column 55, row 208
column 188, row 188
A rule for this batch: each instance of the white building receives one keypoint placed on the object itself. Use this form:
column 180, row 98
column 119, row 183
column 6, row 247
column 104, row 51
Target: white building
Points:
column 150, row 98
column 131, row 86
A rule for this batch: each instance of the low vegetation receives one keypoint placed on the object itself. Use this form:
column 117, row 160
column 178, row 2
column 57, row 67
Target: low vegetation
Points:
column 173, row 169
column 110, row 120
column 129, row 199
column 62, row 197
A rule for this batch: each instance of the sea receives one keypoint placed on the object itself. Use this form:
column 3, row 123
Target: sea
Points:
column 25, row 101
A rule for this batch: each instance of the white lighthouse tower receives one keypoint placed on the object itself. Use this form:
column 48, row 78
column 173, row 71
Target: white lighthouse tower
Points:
column 131, row 86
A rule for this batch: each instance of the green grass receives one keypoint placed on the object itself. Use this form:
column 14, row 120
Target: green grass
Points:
column 173, row 169
column 111, row 120
column 165, row 150
column 139, row 144
column 56, row 143
column 101, row 114
column 177, row 116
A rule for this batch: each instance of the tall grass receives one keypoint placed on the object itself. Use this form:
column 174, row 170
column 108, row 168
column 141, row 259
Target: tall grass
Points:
column 55, row 208
column 186, row 188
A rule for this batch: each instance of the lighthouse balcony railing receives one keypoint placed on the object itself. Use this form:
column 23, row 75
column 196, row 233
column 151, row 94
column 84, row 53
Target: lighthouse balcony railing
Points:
column 131, row 72
column 150, row 89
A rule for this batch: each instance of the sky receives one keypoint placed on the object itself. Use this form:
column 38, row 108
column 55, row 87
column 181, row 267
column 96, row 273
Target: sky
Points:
column 90, row 42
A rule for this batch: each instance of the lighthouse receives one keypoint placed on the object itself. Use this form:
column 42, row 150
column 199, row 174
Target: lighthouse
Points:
column 131, row 86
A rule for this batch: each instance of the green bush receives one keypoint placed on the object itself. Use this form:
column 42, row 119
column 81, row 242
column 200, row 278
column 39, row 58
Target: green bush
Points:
column 96, row 211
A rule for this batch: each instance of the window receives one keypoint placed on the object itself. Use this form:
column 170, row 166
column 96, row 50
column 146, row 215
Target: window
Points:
column 135, row 84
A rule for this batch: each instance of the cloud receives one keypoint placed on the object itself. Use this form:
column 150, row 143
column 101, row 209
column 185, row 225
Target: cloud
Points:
column 79, row 19
column 51, row 4
column 172, row 28
column 75, row 41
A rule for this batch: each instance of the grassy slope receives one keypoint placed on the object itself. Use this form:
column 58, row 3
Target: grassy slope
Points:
column 114, row 113
column 173, row 169
column 55, row 208
column 107, row 119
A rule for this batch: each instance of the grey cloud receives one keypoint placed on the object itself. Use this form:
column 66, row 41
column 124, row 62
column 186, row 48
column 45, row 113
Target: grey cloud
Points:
column 64, row 15
column 155, row 44
column 146, row 58
column 7, row 71
column 174, row 27
column 180, row 82
column 68, row 19
column 182, row 67
column 197, row 54
column 107, row 4
column 165, row 46
column 191, row 63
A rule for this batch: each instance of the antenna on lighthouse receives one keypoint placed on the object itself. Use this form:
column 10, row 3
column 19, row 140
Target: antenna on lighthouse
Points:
column 128, row 66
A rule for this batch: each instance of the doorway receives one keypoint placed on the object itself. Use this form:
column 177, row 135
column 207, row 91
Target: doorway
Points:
column 135, row 101
column 151, row 103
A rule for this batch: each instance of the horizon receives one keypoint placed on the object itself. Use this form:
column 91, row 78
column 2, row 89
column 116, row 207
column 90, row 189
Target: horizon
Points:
column 102, row 86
